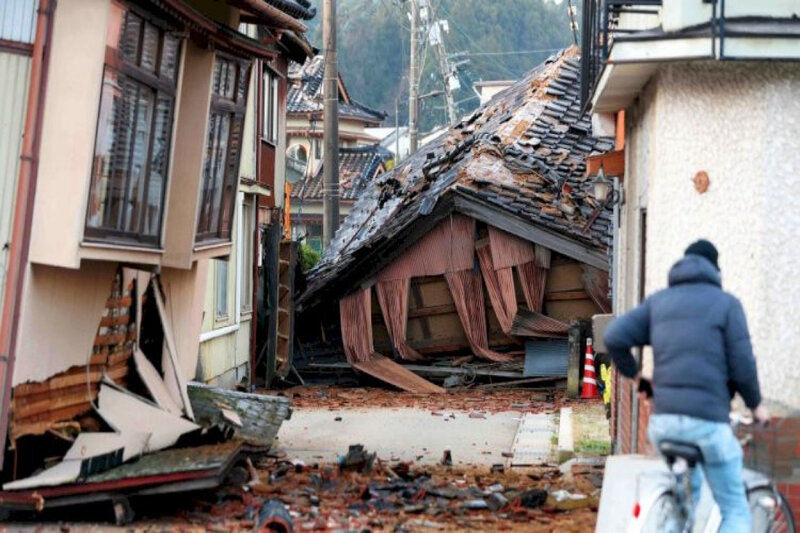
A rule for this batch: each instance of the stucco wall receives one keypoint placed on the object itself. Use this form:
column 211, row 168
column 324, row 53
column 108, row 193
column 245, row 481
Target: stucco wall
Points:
column 739, row 122
column 68, row 131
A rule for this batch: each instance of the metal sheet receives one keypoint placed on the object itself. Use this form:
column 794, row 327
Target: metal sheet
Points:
column 532, row 324
column 546, row 357
column 18, row 20
column 385, row 369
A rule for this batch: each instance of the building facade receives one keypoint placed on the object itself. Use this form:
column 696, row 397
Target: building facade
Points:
column 304, row 155
column 127, row 184
column 235, row 327
column 703, row 94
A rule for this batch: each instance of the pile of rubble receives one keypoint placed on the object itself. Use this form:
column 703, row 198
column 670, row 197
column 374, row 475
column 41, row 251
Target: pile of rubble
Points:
column 485, row 400
column 363, row 493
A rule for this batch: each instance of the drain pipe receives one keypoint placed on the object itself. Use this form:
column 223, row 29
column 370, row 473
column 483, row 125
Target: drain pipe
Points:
column 23, row 211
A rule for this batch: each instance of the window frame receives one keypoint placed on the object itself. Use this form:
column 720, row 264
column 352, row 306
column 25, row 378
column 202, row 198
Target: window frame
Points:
column 248, row 224
column 235, row 110
column 270, row 119
column 159, row 87
column 221, row 292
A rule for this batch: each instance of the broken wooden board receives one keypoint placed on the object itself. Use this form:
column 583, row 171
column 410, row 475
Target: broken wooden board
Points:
column 169, row 340
column 60, row 474
column 89, row 445
column 385, row 369
column 154, row 383
column 128, row 413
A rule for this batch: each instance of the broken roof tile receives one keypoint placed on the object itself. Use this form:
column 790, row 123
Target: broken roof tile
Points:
column 516, row 152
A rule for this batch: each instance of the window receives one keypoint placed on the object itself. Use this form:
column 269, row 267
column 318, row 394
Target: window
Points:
column 317, row 149
column 296, row 163
column 247, row 236
column 221, row 304
column 314, row 237
column 223, row 148
column 134, row 129
column 269, row 104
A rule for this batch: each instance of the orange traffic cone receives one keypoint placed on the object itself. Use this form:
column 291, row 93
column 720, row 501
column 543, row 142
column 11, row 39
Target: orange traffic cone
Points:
column 589, row 375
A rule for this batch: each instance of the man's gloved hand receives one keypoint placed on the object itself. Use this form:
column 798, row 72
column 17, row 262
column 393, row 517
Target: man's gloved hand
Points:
column 645, row 387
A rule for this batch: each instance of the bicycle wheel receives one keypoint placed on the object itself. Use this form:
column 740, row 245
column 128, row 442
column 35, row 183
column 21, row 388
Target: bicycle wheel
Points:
column 770, row 515
column 665, row 516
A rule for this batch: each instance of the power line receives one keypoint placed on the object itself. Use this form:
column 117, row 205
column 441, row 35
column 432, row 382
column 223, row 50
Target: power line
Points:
column 516, row 52
column 471, row 40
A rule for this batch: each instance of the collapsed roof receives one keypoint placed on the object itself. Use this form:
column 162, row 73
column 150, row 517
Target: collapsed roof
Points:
column 516, row 163
column 305, row 93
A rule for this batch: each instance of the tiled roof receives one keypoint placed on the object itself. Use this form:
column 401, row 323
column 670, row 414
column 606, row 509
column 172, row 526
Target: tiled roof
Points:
column 305, row 93
column 296, row 8
column 357, row 169
column 522, row 154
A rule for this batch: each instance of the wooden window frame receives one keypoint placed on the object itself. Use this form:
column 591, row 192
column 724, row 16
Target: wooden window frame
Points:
column 235, row 109
column 160, row 87
column 270, row 105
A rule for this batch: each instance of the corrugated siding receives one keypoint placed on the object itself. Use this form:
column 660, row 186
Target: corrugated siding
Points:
column 14, row 73
column 546, row 357
column 18, row 20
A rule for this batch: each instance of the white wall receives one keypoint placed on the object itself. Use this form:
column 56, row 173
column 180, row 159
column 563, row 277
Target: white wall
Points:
column 14, row 73
column 740, row 123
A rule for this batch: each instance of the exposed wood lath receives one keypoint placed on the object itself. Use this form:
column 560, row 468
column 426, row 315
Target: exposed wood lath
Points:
column 35, row 407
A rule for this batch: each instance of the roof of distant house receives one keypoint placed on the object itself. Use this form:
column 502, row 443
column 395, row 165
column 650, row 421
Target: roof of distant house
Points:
column 296, row 8
column 305, row 93
column 517, row 163
column 358, row 167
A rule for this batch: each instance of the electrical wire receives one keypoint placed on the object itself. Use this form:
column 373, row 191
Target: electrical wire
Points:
column 463, row 32
column 515, row 52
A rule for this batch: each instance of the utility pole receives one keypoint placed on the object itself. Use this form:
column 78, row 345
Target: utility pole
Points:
column 330, row 136
column 396, row 131
column 436, row 29
column 573, row 22
column 413, row 78
column 437, row 36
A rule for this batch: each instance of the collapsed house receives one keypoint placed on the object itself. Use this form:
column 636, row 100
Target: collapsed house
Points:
column 128, row 181
column 487, row 243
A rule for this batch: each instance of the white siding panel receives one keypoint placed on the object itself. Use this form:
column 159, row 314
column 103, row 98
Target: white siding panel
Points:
column 18, row 20
column 14, row 73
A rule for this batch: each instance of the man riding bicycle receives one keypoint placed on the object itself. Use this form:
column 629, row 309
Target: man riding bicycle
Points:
column 701, row 355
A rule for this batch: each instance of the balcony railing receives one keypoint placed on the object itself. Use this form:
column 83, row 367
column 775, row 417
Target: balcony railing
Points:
column 600, row 24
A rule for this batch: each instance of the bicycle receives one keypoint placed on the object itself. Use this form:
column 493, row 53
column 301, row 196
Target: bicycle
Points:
column 670, row 507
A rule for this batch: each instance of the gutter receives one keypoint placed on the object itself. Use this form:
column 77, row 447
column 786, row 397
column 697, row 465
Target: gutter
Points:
column 23, row 212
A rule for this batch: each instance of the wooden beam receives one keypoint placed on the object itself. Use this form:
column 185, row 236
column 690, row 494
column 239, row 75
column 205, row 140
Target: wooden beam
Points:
column 525, row 229
column 566, row 295
column 574, row 361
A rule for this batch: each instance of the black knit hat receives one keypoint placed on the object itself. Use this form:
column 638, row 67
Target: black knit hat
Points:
column 705, row 249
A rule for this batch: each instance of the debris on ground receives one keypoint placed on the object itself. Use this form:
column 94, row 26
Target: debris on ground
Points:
column 478, row 403
column 400, row 497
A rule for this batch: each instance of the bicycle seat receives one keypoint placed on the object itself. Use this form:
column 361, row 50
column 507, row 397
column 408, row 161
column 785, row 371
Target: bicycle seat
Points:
column 673, row 449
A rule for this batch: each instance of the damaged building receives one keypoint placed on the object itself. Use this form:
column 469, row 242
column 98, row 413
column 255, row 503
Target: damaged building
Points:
column 476, row 254
column 128, row 186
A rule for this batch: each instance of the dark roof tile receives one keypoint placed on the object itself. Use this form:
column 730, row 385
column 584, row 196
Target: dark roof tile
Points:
column 523, row 152
column 358, row 167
